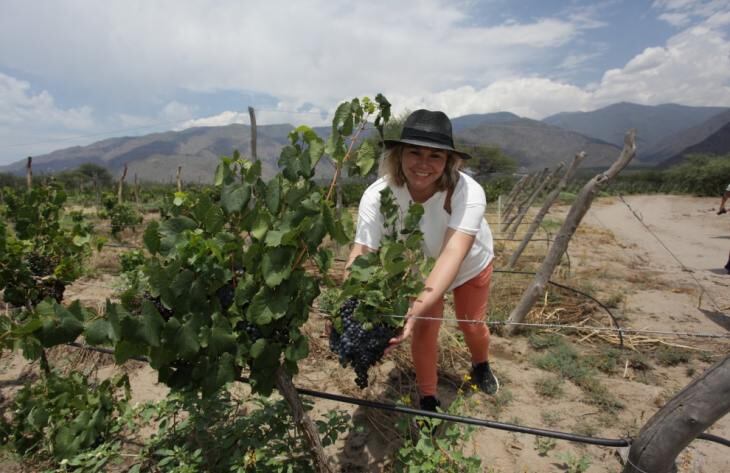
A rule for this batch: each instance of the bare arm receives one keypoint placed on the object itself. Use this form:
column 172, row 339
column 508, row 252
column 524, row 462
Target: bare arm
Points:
column 357, row 250
column 456, row 247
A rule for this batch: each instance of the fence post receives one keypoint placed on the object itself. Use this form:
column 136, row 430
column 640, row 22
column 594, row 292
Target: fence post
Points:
column 549, row 180
column 560, row 244
column 545, row 207
column 120, row 198
column 252, row 116
column 29, row 173
column 696, row 407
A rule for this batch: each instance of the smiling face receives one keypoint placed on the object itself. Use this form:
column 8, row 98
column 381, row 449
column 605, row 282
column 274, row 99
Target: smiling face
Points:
column 422, row 168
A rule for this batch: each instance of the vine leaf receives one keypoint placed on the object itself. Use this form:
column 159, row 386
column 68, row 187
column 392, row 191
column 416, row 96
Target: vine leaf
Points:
column 235, row 197
column 276, row 264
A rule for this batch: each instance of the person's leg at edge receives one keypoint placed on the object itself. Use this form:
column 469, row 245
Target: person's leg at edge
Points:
column 424, row 350
column 470, row 303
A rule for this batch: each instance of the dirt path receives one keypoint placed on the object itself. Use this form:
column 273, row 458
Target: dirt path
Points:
column 682, row 241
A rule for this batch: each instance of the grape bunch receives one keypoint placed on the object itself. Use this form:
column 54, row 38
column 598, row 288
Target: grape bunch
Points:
column 226, row 294
column 356, row 346
column 41, row 265
column 52, row 288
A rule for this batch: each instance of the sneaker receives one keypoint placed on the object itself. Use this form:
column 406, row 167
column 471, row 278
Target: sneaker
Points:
column 430, row 403
column 721, row 211
column 483, row 378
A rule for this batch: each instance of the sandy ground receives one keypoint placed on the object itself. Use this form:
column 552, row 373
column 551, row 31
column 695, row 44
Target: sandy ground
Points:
column 612, row 253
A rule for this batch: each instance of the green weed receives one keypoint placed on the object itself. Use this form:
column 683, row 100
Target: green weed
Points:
column 549, row 387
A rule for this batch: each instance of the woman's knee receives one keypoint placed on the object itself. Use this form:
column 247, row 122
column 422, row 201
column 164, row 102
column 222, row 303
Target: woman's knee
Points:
column 473, row 329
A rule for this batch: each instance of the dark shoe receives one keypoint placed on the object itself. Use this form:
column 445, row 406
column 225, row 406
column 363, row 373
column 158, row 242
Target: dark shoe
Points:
column 721, row 211
column 483, row 378
column 430, row 403
column 428, row 425
column 727, row 267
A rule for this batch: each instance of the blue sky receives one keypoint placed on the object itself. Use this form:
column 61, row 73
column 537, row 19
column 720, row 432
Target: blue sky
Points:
column 73, row 72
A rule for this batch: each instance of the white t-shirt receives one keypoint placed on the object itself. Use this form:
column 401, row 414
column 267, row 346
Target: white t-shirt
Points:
column 468, row 205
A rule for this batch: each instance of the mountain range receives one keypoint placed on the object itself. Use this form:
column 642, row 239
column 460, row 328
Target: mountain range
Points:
column 665, row 133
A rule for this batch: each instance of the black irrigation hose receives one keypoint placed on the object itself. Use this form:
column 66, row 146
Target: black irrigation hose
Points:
column 448, row 417
column 562, row 286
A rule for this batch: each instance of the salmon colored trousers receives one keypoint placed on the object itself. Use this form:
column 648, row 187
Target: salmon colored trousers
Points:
column 470, row 304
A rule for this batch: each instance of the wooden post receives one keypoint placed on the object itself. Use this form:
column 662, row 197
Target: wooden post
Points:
column 289, row 392
column 560, row 244
column 178, row 180
column 538, row 182
column 523, row 210
column 526, row 183
column 696, row 407
column 516, row 189
column 252, row 116
column 29, row 173
column 120, row 198
column 545, row 207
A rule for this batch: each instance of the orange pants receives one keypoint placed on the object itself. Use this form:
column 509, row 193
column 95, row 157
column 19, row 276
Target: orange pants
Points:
column 470, row 303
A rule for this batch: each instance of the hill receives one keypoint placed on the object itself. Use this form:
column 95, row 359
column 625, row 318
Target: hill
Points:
column 716, row 144
column 155, row 157
column 536, row 145
column 675, row 145
column 664, row 131
column 654, row 124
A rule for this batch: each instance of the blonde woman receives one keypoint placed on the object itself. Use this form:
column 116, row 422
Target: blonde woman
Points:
column 423, row 166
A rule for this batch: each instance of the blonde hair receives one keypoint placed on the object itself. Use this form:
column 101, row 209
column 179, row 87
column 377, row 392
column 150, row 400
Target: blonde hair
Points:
column 391, row 168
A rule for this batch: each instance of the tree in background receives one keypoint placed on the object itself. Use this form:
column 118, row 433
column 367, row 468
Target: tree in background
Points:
column 486, row 160
column 87, row 175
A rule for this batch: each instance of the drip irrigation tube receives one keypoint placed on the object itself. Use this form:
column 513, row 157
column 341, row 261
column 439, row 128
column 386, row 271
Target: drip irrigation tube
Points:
column 571, row 437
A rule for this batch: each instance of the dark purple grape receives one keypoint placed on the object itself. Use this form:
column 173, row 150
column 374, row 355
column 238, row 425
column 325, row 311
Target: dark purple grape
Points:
column 356, row 346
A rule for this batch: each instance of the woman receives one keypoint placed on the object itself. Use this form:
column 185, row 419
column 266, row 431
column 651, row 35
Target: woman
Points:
column 423, row 166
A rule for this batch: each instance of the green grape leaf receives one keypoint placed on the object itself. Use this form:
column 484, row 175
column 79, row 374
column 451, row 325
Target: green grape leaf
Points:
column 334, row 227
column 298, row 350
column 221, row 341
column 273, row 195
column 187, row 342
column 98, row 332
column 258, row 348
column 276, row 264
column 235, row 197
column 127, row 349
column 152, row 324
column 267, row 305
column 151, row 237
column 365, row 158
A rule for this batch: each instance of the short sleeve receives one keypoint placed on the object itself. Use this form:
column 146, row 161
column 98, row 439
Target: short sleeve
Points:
column 468, row 205
column 369, row 219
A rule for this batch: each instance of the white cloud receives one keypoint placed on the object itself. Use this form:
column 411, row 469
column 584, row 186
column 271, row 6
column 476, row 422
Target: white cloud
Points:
column 311, row 54
column 316, row 50
column 19, row 105
column 681, row 12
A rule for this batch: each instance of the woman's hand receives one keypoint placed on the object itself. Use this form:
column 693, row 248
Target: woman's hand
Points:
column 407, row 330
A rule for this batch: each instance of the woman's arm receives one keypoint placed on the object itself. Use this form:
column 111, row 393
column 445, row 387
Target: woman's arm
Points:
column 357, row 250
column 456, row 247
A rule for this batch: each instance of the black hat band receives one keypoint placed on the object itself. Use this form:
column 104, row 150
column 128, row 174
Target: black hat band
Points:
column 432, row 136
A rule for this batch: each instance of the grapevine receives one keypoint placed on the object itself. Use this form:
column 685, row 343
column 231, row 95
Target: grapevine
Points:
column 379, row 284
column 40, row 256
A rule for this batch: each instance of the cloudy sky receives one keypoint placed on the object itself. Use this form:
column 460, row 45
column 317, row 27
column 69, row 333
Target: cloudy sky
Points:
column 73, row 72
